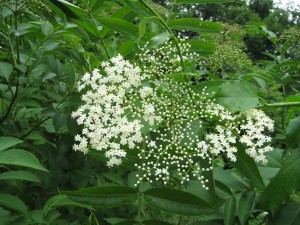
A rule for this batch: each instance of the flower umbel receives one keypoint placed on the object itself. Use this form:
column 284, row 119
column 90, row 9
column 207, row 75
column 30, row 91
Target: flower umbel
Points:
column 180, row 126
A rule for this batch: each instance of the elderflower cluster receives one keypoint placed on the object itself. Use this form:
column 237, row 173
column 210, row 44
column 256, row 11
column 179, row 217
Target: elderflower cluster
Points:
column 182, row 129
column 252, row 132
column 165, row 59
column 107, row 115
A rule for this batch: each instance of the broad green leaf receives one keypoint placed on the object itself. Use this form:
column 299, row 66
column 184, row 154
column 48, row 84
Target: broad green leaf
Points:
column 204, row 48
column 158, row 40
column 138, row 8
column 247, row 166
column 293, row 133
column 289, row 214
column 88, row 26
column 7, row 142
column 245, row 206
column 5, row 70
column 67, row 5
column 230, row 178
column 60, row 201
column 176, row 201
column 47, row 28
column 107, row 196
column 229, row 211
column 57, row 8
column 95, row 4
column 19, row 175
column 122, row 26
column 283, row 184
column 202, row 1
column 126, row 48
column 59, row 120
column 237, row 95
column 12, row 202
column 195, row 25
column 20, row 157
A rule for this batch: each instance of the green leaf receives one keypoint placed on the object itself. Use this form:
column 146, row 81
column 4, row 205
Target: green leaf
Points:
column 107, row 196
column 5, row 70
column 237, row 95
column 125, row 28
column 293, row 133
column 202, row 1
column 289, row 214
column 229, row 211
column 12, row 202
column 61, row 201
column 59, row 119
column 88, row 26
column 138, row 8
column 95, row 4
column 195, row 25
column 245, row 206
column 176, row 201
column 7, row 142
column 126, row 48
column 283, row 184
column 19, row 175
column 204, row 48
column 158, row 40
column 47, row 28
column 20, row 157
column 69, row 8
column 247, row 166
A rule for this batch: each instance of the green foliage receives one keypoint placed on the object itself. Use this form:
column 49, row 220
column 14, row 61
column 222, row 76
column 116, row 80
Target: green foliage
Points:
column 46, row 46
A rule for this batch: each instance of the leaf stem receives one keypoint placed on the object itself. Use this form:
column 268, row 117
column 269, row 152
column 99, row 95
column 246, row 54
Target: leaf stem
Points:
column 279, row 104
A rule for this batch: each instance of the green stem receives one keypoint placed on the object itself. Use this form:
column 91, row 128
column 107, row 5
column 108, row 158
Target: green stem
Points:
column 279, row 104
column 169, row 30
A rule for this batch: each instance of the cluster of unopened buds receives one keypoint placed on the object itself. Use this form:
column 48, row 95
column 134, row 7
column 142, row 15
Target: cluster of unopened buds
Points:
column 172, row 126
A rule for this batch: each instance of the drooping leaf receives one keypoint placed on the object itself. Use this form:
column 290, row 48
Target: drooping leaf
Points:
column 237, row 95
column 195, row 25
column 88, row 26
column 138, row 8
column 19, row 175
column 293, row 133
column 7, row 142
column 289, row 214
column 283, row 184
column 12, row 202
column 106, row 196
column 20, row 157
column 47, row 28
column 204, row 48
column 5, row 70
column 245, row 206
column 229, row 211
column 122, row 26
column 158, row 40
column 247, row 166
column 59, row 120
column 176, row 201
column 202, row 1
column 60, row 201
column 69, row 9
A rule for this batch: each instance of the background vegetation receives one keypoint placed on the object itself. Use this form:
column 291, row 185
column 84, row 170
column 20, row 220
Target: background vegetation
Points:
column 46, row 47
